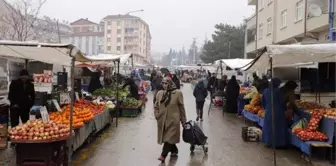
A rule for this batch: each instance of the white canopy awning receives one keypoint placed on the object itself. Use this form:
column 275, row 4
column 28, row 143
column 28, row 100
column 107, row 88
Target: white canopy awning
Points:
column 286, row 55
column 47, row 53
column 106, row 59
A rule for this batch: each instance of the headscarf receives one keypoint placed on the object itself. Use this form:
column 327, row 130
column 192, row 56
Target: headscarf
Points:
column 232, row 81
column 167, row 95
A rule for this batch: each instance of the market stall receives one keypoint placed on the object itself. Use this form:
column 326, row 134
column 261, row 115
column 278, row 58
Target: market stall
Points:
column 284, row 55
column 53, row 136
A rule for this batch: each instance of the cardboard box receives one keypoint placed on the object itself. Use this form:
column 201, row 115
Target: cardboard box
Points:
column 3, row 143
column 3, row 130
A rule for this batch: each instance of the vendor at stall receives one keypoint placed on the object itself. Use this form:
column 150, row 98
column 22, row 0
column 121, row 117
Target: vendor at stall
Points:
column 95, row 82
column 133, row 88
column 289, row 99
column 22, row 97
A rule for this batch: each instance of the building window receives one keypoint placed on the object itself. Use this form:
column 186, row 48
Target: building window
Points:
column 108, row 48
column 118, row 23
column 118, row 48
column 299, row 11
column 269, row 26
column 261, row 30
column 261, row 4
column 109, row 23
column 108, row 31
column 118, row 39
column 118, row 31
column 283, row 19
column 108, row 39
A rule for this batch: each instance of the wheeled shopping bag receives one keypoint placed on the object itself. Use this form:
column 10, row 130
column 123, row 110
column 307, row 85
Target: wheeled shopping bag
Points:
column 194, row 135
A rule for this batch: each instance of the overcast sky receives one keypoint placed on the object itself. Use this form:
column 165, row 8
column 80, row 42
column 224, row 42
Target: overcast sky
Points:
column 173, row 23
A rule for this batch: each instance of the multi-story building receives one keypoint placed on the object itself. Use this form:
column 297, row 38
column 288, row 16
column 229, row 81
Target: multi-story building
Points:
column 127, row 34
column 87, row 36
column 285, row 22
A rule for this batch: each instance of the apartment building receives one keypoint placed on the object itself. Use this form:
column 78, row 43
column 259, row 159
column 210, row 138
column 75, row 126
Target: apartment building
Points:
column 127, row 34
column 88, row 36
column 285, row 22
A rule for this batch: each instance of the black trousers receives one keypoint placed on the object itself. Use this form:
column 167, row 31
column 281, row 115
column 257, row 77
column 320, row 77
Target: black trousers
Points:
column 199, row 108
column 167, row 147
column 16, row 114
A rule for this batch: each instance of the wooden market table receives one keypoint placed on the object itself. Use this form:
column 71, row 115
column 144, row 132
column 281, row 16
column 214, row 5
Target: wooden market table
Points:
column 42, row 153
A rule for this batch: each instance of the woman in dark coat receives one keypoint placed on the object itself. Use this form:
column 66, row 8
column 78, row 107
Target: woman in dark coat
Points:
column 232, row 93
column 200, row 93
column 95, row 82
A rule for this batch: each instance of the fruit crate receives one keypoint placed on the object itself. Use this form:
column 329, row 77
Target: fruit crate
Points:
column 129, row 112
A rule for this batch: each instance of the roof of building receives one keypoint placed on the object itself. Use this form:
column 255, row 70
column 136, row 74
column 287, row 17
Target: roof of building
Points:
column 120, row 16
column 126, row 16
column 88, row 34
column 82, row 21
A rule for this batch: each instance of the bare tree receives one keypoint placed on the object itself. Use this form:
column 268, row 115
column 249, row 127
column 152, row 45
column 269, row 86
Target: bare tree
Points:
column 20, row 22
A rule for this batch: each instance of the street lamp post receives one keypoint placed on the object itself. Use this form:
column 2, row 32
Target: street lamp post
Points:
column 134, row 11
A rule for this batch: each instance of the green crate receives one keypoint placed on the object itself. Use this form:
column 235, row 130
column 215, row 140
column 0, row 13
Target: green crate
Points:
column 129, row 112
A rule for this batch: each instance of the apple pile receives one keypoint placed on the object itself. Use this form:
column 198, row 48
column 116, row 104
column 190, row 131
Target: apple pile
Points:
column 315, row 119
column 37, row 130
column 306, row 135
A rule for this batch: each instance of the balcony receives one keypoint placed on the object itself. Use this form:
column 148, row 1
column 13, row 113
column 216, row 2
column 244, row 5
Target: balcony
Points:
column 250, row 47
column 319, row 23
column 251, row 22
column 252, row 2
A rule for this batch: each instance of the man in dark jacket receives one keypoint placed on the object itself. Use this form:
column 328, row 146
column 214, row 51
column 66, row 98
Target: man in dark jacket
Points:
column 176, row 81
column 212, row 84
column 133, row 88
column 200, row 93
column 22, row 97
column 222, row 83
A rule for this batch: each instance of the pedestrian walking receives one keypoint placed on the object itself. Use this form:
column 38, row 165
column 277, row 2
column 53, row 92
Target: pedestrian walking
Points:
column 170, row 114
column 200, row 93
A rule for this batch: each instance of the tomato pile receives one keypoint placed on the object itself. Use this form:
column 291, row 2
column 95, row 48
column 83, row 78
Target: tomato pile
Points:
column 314, row 121
column 310, row 133
column 94, row 107
column 306, row 135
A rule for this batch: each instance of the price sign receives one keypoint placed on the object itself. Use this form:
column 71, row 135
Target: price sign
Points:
column 44, row 114
column 77, row 96
column 56, row 105
column 65, row 98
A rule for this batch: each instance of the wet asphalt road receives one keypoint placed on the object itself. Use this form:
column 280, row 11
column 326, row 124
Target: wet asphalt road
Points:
column 133, row 143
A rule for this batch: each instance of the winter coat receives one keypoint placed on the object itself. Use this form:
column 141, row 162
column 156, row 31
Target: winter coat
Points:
column 170, row 117
column 200, row 92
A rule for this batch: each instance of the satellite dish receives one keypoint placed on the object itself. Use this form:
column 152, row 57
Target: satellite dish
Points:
column 314, row 10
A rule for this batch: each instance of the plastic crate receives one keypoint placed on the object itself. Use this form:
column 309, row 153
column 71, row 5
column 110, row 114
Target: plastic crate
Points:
column 129, row 112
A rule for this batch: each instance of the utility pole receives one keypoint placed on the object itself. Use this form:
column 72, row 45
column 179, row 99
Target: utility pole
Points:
column 229, row 50
column 58, row 32
column 194, row 45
